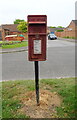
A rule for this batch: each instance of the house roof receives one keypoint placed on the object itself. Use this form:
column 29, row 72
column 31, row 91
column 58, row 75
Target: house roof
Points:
column 54, row 29
column 75, row 21
column 10, row 27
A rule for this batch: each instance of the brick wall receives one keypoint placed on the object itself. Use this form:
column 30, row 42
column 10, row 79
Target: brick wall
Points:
column 3, row 34
column 58, row 34
column 70, row 31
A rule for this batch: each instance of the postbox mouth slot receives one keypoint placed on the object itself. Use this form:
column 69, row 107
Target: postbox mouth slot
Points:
column 37, row 33
column 38, row 22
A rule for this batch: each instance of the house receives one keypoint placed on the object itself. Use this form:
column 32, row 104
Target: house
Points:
column 54, row 29
column 8, row 29
column 0, row 34
column 69, row 31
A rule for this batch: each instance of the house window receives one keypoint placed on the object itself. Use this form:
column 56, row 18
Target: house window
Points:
column 6, row 32
column 70, row 29
column 0, row 36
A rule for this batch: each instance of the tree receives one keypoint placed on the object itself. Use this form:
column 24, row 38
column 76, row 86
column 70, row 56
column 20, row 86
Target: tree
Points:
column 60, row 27
column 17, row 21
column 59, row 30
column 52, row 27
column 22, row 26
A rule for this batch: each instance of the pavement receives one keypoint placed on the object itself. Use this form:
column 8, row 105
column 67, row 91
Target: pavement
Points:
column 70, row 40
column 11, row 50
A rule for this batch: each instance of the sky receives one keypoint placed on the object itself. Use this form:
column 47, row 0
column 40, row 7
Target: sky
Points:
column 76, row 10
column 59, row 12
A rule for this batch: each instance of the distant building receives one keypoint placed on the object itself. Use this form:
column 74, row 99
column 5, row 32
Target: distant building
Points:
column 50, row 29
column 69, row 31
column 0, row 34
column 8, row 29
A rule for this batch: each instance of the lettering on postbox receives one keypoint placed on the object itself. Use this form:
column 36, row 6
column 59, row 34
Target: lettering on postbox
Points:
column 37, row 32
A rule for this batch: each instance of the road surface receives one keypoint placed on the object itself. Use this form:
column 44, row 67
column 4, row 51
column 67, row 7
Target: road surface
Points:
column 60, row 62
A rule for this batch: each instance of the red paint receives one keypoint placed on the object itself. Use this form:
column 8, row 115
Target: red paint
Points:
column 37, row 30
column 14, row 38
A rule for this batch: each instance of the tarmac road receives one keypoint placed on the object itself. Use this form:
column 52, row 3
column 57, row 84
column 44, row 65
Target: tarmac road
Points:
column 60, row 62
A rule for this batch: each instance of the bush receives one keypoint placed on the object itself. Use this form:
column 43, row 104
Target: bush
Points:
column 59, row 30
column 9, row 42
column 52, row 27
column 70, row 37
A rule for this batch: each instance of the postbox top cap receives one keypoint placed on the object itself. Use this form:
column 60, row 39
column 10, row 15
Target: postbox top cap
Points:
column 37, row 15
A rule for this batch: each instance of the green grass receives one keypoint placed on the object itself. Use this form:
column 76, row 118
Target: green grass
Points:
column 0, row 100
column 70, row 37
column 66, row 88
column 12, row 91
column 14, row 44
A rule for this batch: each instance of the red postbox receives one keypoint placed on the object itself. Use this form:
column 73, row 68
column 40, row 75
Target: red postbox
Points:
column 37, row 32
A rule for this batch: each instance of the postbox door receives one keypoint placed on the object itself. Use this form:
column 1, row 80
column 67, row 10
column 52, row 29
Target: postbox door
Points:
column 37, row 48
column 37, row 31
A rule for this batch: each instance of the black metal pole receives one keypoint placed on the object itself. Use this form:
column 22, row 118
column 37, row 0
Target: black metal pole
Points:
column 37, row 81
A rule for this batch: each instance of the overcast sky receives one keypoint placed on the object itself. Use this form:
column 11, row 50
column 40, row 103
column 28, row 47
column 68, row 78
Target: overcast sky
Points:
column 59, row 12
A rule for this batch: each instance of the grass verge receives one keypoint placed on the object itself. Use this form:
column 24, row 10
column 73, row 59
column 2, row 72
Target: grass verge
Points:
column 70, row 37
column 0, row 100
column 14, row 44
column 12, row 91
